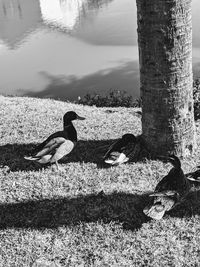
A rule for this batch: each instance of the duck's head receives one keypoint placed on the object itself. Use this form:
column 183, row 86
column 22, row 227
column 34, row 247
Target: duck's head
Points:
column 71, row 116
column 129, row 138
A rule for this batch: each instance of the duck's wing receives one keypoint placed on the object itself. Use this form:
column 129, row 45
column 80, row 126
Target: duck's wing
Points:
column 45, row 143
column 168, row 182
column 45, row 154
column 62, row 150
column 132, row 150
column 163, row 201
column 176, row 181
column 168, row 192
column 50, row 146
column 112, row 148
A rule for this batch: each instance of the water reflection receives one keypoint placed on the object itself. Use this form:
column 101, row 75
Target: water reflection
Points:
column 18, row 19
column 123, row 76
column 67, row 14
column 65, row 48
column 63, row 13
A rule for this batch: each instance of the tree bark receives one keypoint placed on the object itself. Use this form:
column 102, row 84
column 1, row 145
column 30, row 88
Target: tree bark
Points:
column 166, row 80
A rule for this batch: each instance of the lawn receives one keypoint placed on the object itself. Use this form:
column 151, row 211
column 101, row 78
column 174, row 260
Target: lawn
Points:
column 86, row 214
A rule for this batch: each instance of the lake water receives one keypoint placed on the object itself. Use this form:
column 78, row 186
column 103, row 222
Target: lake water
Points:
column 66, row 48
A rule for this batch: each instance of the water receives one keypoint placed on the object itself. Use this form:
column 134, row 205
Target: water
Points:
column 66, row 48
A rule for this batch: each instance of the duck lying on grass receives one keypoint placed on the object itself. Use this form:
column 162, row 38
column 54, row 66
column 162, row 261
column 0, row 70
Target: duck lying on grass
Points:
column 59, row 144
column 120, row 151
column 169, row 191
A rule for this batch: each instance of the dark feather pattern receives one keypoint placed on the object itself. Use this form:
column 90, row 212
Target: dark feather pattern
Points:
column 169, row 191
column 120, row 151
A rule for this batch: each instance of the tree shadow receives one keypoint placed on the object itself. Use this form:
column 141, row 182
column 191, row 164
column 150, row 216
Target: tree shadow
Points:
column 12, row 155
column 123, row 208
column 52, row 213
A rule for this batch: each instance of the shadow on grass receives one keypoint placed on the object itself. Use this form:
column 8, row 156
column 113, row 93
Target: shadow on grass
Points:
column 189, row 207
column 52, row 213
column 12, row 155
column 119, row 207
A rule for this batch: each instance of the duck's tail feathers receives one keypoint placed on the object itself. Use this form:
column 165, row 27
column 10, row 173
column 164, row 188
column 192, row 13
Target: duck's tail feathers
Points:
column 43, row 160
column 156, row 211
column 31, row 158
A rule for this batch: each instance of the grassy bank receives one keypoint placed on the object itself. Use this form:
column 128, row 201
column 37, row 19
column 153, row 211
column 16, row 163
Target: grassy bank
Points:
column 86, row 214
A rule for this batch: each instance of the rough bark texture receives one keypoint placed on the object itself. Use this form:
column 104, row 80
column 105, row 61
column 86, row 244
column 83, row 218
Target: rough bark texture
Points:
column 165, row 53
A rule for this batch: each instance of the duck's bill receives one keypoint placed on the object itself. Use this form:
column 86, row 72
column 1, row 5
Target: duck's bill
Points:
column 80, row 118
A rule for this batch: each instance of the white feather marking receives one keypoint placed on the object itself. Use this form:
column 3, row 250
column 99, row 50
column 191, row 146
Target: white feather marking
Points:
column 30, row 158
column 45, row 159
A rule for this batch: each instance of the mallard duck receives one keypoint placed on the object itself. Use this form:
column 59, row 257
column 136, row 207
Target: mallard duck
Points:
column 194, row 177
column 119, row 152
column 59, row 144
column 169, row 191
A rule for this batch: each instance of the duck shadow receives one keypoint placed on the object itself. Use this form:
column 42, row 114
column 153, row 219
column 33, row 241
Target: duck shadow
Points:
column 12, row 155
column 189, row 207
column 52, row 213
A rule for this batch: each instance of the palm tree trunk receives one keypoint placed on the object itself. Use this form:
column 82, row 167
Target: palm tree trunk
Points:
column 165, row 54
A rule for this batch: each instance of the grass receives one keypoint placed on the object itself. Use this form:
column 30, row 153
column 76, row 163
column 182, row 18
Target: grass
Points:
column 87, row 214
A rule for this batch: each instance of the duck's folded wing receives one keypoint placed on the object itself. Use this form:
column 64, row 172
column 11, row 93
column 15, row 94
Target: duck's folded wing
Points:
column 159, row 207
column 62, row 150
column 111, row 149
column 156, row 211
column 46, row 141
column 51, row 146
column 132, row 151
column 114, row 155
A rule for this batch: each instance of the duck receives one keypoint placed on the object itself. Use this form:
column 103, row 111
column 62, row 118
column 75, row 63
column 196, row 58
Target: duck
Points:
column 58, row 144
column 169, row 191
column 120, row 151
column 194, row 177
